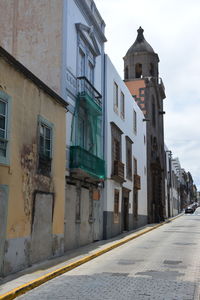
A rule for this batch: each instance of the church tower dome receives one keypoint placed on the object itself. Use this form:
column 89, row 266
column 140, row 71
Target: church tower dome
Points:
column 140, row 60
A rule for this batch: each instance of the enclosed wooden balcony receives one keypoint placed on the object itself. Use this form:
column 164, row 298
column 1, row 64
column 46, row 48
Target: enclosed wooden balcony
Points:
column 118, row 171
column 137, row 182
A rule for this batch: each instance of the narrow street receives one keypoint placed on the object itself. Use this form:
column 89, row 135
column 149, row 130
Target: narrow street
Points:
column 162, row 264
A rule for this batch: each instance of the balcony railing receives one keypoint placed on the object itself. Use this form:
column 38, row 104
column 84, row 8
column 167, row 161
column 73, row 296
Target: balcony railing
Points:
column 85, row 88
column 118, row 171
column 87, row 162
column 137, row 183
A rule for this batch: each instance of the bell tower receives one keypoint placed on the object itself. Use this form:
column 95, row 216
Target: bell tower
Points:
column 140, row 60
column 142, row 79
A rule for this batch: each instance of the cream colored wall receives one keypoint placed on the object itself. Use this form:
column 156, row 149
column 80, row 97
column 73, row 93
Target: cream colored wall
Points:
column 28, row 101
column 31, row 31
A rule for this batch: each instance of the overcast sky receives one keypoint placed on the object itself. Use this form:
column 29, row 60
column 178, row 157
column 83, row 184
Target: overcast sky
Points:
column 172, row 28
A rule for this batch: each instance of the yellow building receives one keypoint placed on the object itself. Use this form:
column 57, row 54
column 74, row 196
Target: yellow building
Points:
column 32, row 167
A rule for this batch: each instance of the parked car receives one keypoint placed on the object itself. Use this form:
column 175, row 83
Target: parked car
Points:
column 189, row 210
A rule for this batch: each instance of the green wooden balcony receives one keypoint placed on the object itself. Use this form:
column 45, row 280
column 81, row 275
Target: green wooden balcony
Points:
column 86, row 165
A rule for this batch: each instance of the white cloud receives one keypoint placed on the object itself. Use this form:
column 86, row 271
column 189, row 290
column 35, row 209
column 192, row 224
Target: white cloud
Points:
column 172, row 29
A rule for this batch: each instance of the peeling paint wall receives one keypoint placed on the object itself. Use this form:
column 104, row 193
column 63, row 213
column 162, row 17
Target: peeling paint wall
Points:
column 31, row 31
column 3, row 221
column 21, row 175
column 77, row 232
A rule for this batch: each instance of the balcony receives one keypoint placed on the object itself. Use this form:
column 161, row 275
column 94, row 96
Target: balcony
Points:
column 137, row 183
column 118, row 171
column 85, row 165
column 89, row 97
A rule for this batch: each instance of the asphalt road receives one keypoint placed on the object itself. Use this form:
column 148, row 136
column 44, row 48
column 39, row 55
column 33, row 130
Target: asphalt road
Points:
column 162, row 264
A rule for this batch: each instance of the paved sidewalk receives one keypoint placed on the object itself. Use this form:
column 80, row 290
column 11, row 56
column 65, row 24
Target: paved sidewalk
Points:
column 20, row 282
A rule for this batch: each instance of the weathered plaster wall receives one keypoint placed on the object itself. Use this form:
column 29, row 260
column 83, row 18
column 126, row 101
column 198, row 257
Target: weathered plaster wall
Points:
column 28, row 102
column 3, row 220
column 31, row 31
column 77, row 232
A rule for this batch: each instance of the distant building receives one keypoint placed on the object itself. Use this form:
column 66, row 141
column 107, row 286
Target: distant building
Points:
column 184, row 189
column 176, row 171
column 32, row 170
column 142, row 79
column 168, row 182
column 125, row 192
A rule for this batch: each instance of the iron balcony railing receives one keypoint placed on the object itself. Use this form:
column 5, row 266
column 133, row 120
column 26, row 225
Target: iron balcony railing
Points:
column 85, row 88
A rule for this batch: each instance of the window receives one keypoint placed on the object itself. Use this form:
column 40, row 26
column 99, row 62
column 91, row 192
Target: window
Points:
column 45, row 147
column 152, row 69
column 81, row 63
column 81, row 131
column 134, row 121
column 4, row 127
column 116, row 206
column 116, row 149
column 138, row 70
column 135, row 166
column 116, row 142
column 126, row 73
column 122, row 106
column 115, row 97
column 91, row 72
column 129, row 158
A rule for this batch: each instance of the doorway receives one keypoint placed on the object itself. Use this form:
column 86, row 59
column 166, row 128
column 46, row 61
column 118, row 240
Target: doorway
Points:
column 125, row 209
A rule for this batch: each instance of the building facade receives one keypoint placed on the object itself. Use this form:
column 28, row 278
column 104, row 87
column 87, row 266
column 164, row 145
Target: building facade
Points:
column 83, row 87
column 125, row 191
column 176, row 203
column 66, row 38
column 142, row 79
column 32, row 173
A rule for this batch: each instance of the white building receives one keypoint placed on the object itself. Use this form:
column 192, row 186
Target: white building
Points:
column 172, row 184
column 125, row 193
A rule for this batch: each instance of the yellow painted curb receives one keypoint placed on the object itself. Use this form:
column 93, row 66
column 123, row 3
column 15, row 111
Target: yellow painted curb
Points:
column 37, row 282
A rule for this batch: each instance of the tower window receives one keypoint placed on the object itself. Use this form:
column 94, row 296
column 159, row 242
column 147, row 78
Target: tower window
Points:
column 138, row 70
column 126, row 72
column 152, row 73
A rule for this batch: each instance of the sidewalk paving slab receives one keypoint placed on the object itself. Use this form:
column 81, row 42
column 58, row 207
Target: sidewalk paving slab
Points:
column 19, row 283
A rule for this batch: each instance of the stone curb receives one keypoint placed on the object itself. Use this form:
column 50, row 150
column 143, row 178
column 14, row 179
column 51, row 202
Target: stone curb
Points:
column 39, row 281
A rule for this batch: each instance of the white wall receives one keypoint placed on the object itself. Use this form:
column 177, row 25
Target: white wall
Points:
column 126, row 126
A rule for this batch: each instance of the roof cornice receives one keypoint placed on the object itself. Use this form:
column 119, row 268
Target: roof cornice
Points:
column 91, row 19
